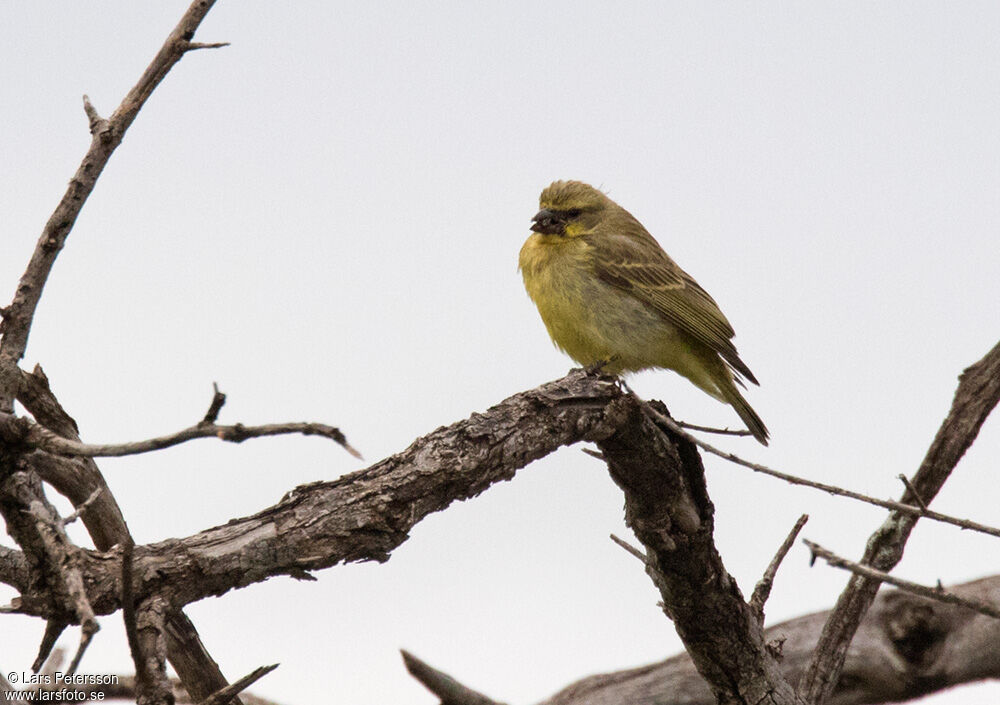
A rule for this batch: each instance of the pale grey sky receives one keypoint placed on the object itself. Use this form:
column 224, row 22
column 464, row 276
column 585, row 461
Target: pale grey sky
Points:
column 325, row 219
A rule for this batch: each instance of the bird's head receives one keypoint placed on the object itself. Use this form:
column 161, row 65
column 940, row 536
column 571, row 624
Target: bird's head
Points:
column 570, row 209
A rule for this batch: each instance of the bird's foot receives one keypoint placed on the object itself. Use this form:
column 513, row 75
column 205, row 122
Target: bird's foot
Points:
column 597, row 368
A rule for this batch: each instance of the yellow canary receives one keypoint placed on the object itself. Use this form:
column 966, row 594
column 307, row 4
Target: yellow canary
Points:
column 607, row 291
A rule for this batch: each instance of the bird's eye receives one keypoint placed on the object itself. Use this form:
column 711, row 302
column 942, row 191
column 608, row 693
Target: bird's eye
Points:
column 573, row 213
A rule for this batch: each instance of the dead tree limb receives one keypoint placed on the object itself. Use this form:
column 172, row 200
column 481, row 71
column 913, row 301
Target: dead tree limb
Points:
column 150, row 653
column 106, row 136
column 78, row 479
column 977, row 394
column 668, row 508
column 906, row 647
column 227, row 694
column 762, row 590
column 53, row 560
column 449, row 690
column 938, row 594
column 39, row 437
column 199, row 671
column 364, row 515
column 918, row 510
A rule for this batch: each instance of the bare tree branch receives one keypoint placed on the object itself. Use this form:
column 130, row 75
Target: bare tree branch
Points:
column 218, row 401
column 78, row 511
column 362, row 515
column 78, row 479
column 449, row 690
column 37, row 436
column 107, row 135
column 913, row 493
column 710, row 429
column 763, row 588
column 668, row 508
column 630, row 549
column 152, row 684
column 53, row 630
column 938, row 593
column 907, row 646
column 56, row 568
column 128, row 610
column 194, row 46
column 14, row 569
column 199, row 671
column 900, row 507
column 227, row 694
column 977, row 394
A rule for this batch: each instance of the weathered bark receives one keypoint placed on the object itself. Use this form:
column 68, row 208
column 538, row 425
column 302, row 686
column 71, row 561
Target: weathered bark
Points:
column 977, row 395
column 360, row 516
column 77, row 479
column 200, row 673
column 906, row 647
column 668, row 507
column 365, row 515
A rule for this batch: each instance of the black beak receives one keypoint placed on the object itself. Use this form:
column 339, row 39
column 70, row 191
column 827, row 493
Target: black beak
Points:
column 548, row 222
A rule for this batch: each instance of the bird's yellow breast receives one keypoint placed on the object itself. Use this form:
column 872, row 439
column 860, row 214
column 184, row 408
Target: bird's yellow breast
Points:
column 587, row 318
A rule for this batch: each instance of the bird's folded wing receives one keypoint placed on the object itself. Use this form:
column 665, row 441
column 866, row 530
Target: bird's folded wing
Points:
column 646, row 272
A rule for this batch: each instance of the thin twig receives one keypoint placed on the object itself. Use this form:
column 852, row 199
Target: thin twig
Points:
column 225, row 695
column 913, row 491
column 933, row 593
column 40, row 437
column 53, row 630
column 218, row 400
column 84, row 506
column 630, row 548
column 593, row 453
column 710, row 429
column 87, row 631
column 763, row 588
column 830, row 489
column 193, row 46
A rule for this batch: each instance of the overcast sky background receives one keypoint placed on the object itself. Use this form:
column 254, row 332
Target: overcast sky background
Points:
column 325, row 218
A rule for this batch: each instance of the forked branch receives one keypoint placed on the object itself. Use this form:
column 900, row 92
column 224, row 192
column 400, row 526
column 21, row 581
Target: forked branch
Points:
column 106, row 136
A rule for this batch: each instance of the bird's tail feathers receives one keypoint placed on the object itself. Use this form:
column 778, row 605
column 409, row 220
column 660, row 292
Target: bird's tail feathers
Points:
column 746, row 412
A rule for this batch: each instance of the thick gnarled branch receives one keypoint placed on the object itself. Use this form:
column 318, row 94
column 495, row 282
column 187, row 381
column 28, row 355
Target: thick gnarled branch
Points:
column 199, row 672
column 668, row 507
column 907, row 646
column 364, row 515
